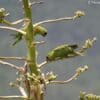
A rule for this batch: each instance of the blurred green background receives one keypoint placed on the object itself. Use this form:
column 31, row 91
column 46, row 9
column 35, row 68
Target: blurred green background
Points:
column 58, row 33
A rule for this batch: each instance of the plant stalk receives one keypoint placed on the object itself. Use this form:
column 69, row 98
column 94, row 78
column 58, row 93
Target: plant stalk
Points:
column 31, row 55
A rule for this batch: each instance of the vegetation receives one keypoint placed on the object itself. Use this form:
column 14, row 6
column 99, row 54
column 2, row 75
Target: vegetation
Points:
column 31, row 81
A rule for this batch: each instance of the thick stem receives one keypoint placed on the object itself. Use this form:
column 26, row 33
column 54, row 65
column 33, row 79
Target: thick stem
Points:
column 31, row 55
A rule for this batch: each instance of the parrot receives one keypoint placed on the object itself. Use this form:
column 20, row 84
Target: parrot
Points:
column 62, row 51
column 37, row 30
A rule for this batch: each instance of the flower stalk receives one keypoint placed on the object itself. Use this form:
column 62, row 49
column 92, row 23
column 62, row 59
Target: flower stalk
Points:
column 31, row 55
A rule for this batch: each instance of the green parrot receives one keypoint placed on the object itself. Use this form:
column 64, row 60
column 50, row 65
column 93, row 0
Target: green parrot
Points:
column 63, row 51
column 37, row 30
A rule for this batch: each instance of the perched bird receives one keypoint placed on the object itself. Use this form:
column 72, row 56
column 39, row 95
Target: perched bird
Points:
column 62, row 51
column 37, row 30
